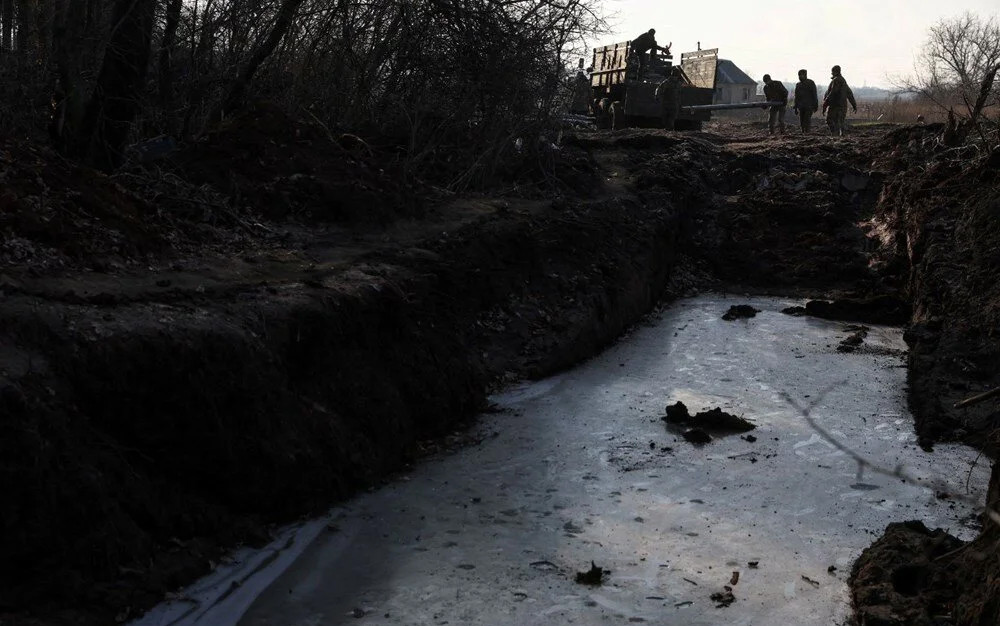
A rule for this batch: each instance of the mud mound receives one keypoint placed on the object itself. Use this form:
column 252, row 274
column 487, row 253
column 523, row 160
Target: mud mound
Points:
column 58, row 217
column 855, row 340
column 284, row 168
column 897, row 582
column 904, row 147
column 712, row 421
column 885, row 309
column 776, row 214
column 54, row 214
column 913, row 575
column 740, row 311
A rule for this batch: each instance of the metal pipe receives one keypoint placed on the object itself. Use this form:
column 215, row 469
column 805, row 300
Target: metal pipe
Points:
column 724, row 107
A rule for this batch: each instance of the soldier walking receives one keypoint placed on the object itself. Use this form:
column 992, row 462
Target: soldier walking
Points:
column 806, row 101
column 838, row 94
column 646, row 42
column 775, row 91
column 669, row 94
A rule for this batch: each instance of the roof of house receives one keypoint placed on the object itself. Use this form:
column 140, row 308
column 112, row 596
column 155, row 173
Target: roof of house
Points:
column 728, row 73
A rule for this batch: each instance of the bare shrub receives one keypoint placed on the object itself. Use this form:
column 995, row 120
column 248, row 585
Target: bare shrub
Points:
column 447, row 86
column 958, row 55
column 956, row 70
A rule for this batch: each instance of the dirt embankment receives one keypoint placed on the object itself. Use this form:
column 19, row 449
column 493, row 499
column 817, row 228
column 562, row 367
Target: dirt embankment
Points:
column 153, row 418
column 271, row 351
column 939, row 218
column 778, row 214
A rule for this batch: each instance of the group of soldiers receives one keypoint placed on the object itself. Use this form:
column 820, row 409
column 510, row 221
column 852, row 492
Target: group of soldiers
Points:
column 806, row 102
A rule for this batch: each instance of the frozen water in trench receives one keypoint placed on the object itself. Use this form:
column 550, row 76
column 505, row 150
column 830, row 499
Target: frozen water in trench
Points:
column 579, row 468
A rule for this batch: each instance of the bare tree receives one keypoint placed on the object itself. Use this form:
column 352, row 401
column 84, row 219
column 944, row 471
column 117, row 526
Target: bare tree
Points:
column 7, row 25
column 115, row 100
column 957, row 59
column 166, row 56
column 446, row 86
column 237, row 92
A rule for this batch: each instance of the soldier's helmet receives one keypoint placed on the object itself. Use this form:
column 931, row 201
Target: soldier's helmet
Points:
column 652, row 31
column 835, row 69
column 767, row 78
column 803, row 73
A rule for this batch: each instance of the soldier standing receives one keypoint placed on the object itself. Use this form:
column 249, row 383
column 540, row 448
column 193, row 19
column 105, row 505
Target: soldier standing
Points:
column 838, row 94
column 582, row 92
column 774, row 91
column 646, row 42
column 806, row 101
column 669, row 94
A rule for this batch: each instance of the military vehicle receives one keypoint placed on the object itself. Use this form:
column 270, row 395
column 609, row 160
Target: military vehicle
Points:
column 622, row 98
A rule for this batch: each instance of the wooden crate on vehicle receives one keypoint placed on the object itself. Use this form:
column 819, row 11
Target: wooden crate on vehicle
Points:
column 609, row 65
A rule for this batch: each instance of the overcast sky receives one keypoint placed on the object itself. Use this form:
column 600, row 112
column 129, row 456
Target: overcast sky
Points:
column 873, row 41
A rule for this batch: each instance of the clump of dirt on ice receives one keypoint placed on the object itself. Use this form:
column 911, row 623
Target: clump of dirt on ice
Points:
column 700, row 425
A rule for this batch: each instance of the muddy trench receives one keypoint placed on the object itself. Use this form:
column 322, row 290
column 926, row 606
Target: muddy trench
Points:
column 152, row 431
column 580, row 467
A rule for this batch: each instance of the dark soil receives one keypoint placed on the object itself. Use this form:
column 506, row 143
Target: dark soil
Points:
column 697, row 436
column 592, row 577
column 853, row 341
column 155, row 325
column 740, row 311
column 938, row 219
column 677, row 413
column 285, row 169
column 944, row 211
column 883, row 309
column 712, row 421
column 723, row 598
column 913, row 575
column 139, row 430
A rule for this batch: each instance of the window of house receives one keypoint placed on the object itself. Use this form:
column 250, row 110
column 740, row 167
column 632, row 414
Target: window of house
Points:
column 746, row 94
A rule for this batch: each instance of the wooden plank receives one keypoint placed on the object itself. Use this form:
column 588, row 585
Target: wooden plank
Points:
column 701, row 67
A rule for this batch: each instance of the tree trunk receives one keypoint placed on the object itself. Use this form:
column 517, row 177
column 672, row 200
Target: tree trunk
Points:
column 93, row 14
column 7, row 18
column 166, row 77
column 67, row 49
column 985, row 89
column 115, row 102
column 236, row 96
column 27, row 32
column 45, row 21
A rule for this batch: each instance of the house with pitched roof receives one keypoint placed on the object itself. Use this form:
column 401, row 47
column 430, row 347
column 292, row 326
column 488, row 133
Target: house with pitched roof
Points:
column 733, row 85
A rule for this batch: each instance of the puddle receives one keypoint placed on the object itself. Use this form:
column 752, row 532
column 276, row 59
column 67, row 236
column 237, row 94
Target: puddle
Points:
column 584, row 470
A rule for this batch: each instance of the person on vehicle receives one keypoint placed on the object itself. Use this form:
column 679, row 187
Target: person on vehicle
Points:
column 644, row 43
column 669, row 95
column 806, row 101
column 838, row 94
column 775, row 91
column 580, row 103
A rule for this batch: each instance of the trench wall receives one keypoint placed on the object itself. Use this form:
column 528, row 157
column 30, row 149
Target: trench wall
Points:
column 139, row 440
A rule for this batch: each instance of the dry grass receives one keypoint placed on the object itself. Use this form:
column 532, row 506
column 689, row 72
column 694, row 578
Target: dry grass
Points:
column 899, row 111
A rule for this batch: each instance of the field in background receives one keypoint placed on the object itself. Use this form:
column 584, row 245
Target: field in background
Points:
column 886, row 110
